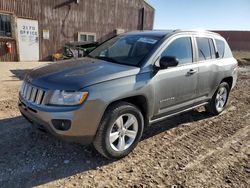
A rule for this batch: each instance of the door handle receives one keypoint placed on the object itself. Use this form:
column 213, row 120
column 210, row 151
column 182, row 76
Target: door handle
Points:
column 191, row 71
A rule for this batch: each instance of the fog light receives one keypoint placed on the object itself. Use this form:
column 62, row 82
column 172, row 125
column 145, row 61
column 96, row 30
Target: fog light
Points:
column 61, row 124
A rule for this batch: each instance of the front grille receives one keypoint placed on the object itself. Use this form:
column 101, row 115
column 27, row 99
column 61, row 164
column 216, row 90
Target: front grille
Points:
column 32, row 94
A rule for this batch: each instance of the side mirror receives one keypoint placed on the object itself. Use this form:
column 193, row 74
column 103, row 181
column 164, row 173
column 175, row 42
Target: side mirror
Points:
column 168, row 61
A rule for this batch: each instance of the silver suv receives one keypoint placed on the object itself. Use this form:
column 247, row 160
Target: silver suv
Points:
column 129, row 82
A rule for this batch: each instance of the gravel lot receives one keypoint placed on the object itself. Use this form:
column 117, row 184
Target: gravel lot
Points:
column 190, row 150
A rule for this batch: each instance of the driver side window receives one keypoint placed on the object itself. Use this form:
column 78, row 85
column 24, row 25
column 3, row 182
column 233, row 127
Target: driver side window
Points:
column 180, row 48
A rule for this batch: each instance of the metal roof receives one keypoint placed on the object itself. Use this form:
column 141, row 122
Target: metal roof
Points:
column 145, row 1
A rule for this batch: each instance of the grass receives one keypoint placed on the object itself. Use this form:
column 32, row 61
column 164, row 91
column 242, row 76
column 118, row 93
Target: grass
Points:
column 243, row 57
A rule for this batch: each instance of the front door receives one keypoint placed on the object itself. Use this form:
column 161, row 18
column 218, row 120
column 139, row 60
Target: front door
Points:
column 176, row 87
column 28, row 39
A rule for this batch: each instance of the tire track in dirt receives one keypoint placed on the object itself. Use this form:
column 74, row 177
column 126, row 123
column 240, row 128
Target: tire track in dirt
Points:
column 240, row 135
column 232, row 159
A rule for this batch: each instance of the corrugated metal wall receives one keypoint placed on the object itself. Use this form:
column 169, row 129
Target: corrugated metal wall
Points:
column 65, row 19
column 237, row 40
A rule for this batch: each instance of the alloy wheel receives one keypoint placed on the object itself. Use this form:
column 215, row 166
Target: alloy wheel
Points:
column 221, row 99
column 123, row 132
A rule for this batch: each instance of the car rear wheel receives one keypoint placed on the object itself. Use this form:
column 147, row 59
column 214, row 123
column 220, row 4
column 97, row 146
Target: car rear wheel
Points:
column 120, row 130
column 219, row 100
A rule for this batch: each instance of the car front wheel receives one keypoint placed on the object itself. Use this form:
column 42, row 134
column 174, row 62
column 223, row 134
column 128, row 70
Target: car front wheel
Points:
column 120, row 130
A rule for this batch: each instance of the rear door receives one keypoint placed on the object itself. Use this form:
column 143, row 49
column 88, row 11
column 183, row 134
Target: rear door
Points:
column 208, row 69
column 175, row 87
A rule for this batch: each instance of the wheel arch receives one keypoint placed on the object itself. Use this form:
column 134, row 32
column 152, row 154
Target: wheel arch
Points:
column 140, row 101
column 229, row 81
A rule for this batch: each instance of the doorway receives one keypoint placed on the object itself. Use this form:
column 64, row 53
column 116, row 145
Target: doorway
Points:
column 28, row 39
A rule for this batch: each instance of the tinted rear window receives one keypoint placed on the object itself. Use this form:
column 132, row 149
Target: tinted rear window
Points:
column 220, row 47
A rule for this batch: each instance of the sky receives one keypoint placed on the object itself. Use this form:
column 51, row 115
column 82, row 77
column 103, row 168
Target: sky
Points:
column 202, row 14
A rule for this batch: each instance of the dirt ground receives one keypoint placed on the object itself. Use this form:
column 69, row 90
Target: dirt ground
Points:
column 190, row 150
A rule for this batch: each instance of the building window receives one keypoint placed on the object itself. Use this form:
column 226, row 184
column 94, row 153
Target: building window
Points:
column 91, row 38
column 5, row 25
column 86, row 37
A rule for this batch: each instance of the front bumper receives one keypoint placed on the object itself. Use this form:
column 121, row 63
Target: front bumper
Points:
column 84, row 119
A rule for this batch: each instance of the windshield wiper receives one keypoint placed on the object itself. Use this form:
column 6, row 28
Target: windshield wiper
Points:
column 107, row 59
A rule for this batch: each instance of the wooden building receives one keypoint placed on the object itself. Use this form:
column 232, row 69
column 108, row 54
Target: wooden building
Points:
column 33, row 30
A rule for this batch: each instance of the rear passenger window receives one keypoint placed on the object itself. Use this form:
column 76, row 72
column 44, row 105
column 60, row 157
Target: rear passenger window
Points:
column 180, row 48
column 221, row 47
column 205, row 48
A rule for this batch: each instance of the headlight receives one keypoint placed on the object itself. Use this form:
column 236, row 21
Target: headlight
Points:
column 68, row 98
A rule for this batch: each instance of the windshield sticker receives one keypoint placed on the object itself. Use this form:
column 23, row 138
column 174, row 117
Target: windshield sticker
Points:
column 147, row 40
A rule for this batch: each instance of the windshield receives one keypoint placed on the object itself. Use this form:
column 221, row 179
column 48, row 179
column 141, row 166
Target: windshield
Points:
column 128, row 49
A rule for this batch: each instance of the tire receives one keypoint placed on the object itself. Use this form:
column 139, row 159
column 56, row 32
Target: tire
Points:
column 220, row 96
column 113, row 140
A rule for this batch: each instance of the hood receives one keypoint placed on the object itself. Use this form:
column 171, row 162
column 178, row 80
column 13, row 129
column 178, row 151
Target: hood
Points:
column 78, row 73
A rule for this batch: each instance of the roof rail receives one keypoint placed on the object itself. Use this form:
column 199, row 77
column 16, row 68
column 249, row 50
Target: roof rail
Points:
column 195, row 30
